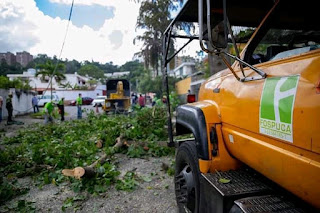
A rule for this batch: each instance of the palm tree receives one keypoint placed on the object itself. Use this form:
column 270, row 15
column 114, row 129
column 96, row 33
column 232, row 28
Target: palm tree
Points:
column 51, row 70
column 154, row 17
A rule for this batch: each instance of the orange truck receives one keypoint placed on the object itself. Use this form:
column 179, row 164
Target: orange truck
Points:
column 256, row 124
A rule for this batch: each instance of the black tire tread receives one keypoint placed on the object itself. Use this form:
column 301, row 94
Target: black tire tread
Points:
column 188, row 149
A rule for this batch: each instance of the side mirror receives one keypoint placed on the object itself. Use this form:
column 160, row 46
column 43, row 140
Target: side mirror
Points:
column 218, row 37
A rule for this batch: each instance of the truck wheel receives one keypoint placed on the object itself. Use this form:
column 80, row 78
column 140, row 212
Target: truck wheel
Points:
column 187, row 186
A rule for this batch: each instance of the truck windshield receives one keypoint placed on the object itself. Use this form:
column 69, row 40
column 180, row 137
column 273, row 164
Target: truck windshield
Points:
column 282, row 43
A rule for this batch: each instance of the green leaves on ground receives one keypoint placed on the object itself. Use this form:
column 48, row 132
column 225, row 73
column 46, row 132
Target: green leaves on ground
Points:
column 21, row 206
column 42, row 151
column 73, row 201
column 128, row 183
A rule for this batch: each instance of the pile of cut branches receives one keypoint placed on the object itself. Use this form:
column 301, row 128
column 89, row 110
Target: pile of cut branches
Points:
column 80, row 148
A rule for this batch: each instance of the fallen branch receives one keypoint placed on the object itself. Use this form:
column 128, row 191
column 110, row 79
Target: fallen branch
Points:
column 122, row 142
column 88, row 171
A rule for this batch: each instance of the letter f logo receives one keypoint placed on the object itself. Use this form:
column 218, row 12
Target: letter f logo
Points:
column 279, row 95
column 276, row 107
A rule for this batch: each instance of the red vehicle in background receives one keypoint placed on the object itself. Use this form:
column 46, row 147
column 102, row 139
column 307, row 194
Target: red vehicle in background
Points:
column 85, row 101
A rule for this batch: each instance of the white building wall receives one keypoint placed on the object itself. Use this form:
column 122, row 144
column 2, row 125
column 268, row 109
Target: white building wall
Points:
column 22, row 103
column 185, row 69
column 70, row 95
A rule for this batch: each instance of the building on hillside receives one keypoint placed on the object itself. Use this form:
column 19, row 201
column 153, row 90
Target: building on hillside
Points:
column 178, row 60
column 183, row 70
column 9, row 57
column 23, row 58
column 39, row 84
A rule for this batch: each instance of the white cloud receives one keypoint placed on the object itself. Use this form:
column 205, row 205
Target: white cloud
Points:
column 24, row 27
column 11, row 38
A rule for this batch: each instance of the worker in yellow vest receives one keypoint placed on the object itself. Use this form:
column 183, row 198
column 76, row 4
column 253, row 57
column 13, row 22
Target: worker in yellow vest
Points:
column 48, row 110
column 79, row 104
column 61, row 108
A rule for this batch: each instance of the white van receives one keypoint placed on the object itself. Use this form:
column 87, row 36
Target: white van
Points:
column 47, row 98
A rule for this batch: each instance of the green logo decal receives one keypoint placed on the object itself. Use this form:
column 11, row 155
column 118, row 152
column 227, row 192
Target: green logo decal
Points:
column 276, row 107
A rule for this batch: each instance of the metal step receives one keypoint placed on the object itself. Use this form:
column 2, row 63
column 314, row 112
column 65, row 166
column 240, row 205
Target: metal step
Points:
column 219, row 197
column 268, row 203
column 241, row 182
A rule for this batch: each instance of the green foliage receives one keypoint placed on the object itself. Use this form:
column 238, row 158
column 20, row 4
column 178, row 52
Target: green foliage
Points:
column 128, row 183
column 5, row 83
column 136, row 72
column 244, row 35
column 9, row 69
column 159, row 151
column 21, row 206
column 91, row 70
column 149, row 124
column 135, row 151
column 10, row 189
column 50, row 69
column 84, row 87
column 155, row 85
column 174, row 100
column 154, row 18
column 171, row 169
column 42, row 151
column 71, row 201
column 40, row 114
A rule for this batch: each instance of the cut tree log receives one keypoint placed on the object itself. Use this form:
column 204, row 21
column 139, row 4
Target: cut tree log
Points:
column 88, row 171
column 99, row 143
column 119, row 142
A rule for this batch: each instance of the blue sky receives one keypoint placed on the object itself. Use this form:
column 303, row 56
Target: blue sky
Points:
column 93, row 16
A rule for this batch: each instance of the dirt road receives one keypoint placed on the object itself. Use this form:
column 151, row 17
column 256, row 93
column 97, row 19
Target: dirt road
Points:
column 154, row 195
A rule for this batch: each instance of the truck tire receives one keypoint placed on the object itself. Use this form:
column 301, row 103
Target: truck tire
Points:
column 187, row 174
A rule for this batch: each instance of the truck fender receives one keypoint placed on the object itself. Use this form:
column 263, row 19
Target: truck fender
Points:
column 191, row 119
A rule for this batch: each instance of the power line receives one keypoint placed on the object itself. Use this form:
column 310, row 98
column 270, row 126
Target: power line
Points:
column 57, row 63
column 64, row 40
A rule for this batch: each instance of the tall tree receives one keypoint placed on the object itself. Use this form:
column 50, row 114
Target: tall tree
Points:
column 154, row 17
column 137, row 73
column 51, row 70
column 72, row 66
column 91, row 70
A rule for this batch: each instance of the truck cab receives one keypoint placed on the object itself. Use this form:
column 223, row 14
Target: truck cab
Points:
column 256, row 144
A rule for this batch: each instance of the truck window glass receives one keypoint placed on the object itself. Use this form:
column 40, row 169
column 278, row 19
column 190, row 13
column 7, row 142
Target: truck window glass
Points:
column 283, row 43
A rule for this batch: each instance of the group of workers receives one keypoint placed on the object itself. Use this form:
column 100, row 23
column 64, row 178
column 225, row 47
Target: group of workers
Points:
column 142, row 102
column 49, row 108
